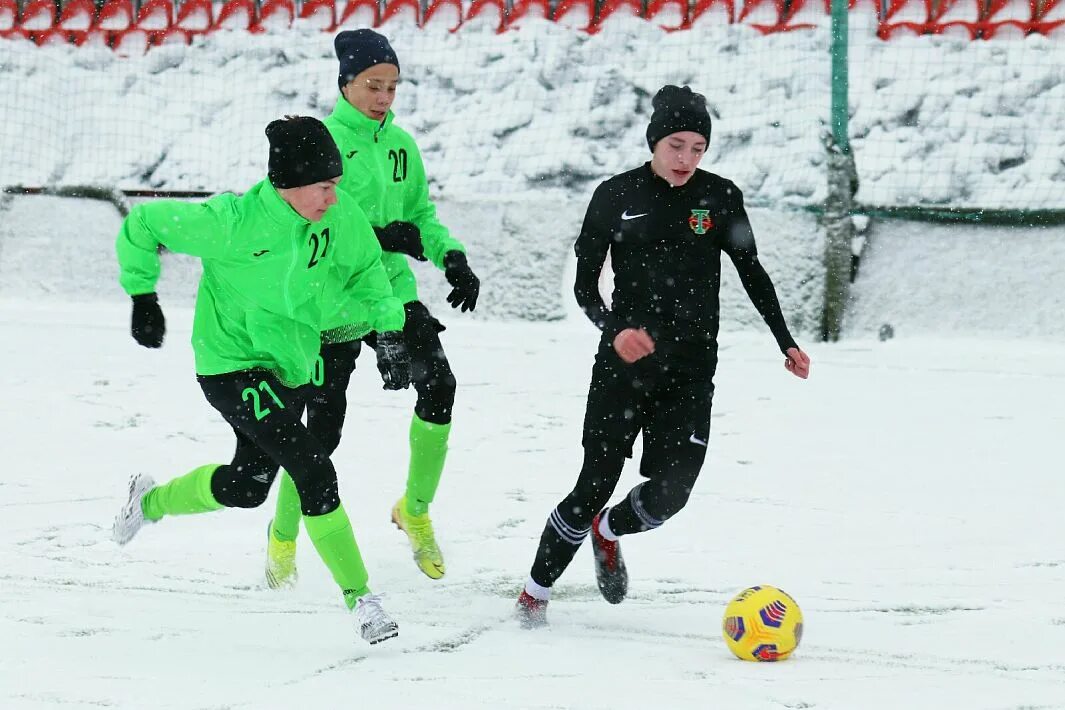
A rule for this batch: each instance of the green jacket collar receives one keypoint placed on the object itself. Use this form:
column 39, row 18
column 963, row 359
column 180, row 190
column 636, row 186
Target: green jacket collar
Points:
column 354, row 120
column 275, row 206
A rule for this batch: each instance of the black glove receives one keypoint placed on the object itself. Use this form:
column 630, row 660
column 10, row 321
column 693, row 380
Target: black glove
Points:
column 402, row 238
column 393, row 361
column 465, row 285
column 147, row 324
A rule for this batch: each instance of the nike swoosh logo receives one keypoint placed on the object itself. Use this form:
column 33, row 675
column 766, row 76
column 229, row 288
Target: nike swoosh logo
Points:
column 695, row 440
column 626, row 216
column 260, row 253
column 349, row 156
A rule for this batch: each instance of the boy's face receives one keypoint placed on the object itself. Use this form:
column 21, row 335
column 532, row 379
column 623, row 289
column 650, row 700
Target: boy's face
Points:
column 677, row 156
column 311, row 201
column 373, row 91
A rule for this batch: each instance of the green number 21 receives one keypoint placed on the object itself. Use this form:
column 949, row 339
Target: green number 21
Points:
column 261, row 412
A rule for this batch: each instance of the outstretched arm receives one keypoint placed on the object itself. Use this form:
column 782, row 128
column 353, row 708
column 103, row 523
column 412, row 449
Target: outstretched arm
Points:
column 198, row 229
column 738, row 242
column 436, row 240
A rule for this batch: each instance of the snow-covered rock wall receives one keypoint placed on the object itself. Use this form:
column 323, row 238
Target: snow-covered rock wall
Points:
column 55, row 248
column 545, row 111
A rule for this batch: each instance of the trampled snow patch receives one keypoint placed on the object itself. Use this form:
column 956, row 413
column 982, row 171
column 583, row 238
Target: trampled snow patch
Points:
column 904, row 495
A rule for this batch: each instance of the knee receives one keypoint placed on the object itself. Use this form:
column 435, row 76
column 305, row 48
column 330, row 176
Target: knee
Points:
column 664, row 499
column 327, row 431
column 243, row 491
column 254, row 497
column 436, row 396
column 318, row 491
column 435, row 376
column 320, row 500
column 603, row 462
column 325, row 419
column 577, row 511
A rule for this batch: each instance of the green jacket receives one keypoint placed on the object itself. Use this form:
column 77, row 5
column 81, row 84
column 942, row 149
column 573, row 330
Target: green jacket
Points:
column 268, row 276
column 383, row 171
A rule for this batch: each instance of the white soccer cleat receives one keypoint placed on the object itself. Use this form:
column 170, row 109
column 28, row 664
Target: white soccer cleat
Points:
column 372, row 621
column 131, row 518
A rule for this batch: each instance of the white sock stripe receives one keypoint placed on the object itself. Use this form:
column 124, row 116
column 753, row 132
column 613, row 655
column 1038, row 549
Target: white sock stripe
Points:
column 637, row 507
column 569, row 528
column 567, row 533
column 566, row 536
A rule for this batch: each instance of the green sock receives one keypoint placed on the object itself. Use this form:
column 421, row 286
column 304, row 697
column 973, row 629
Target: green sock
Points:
column 184, row 495
column 286, row 526
column 333, row 538
column 428, row 449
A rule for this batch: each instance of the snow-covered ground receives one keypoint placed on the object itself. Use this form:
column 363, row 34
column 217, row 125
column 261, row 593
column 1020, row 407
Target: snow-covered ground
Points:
column 908, row 495
column 968, row 280
column 545, row 112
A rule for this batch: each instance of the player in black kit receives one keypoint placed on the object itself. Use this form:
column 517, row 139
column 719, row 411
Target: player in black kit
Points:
column 665, row 225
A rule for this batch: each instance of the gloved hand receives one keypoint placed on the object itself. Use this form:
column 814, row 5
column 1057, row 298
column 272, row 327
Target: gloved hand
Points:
column 465, row 285
column 147, row 324
column 402, row 238
column 393, row 360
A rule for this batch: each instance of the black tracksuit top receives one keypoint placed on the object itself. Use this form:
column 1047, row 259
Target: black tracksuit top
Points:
column 665, row 247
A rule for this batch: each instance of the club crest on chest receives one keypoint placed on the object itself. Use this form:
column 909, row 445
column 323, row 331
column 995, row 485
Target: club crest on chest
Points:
column 700, row 221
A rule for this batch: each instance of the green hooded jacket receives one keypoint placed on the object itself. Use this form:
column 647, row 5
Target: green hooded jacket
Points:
column 383, row 171
column 269, row 275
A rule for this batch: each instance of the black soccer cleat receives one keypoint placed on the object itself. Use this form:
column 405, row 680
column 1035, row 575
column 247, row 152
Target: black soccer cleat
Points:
column 610, row 572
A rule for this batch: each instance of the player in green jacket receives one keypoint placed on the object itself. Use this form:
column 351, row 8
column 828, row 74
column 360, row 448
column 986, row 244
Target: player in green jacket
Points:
column 268, row 258
column 383, row 170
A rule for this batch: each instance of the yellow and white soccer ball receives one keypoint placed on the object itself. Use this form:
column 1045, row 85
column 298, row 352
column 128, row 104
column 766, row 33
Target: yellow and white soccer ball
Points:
column 762, row 624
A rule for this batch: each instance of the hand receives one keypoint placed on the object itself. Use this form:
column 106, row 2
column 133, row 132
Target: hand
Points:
column 797, row 363
column 402, row 238
column 147, row 324
column 632, row 344
column 465, row 285
column 393, row 361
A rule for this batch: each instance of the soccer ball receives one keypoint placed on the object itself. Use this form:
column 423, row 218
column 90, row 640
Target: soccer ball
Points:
column 762, row 624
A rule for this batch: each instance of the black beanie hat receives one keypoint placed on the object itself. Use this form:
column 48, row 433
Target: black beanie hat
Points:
column 358, row 50
column 677, row 109
column 301, row 152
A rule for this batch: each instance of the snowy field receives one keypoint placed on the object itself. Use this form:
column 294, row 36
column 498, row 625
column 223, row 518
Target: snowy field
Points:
column 908, row 496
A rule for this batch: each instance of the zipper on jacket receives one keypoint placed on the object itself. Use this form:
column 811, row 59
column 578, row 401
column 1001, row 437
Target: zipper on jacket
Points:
column 287, row 290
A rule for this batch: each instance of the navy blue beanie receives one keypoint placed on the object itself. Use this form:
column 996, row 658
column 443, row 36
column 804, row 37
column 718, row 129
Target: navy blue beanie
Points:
column 677, row 109
column 358, row 50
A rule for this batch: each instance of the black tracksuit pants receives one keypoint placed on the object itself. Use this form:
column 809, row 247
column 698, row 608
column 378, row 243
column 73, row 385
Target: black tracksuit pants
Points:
column 267, row 417
column 667, row 396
